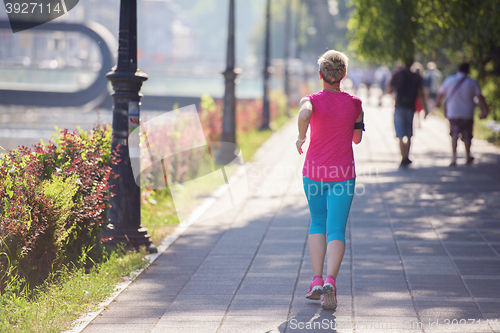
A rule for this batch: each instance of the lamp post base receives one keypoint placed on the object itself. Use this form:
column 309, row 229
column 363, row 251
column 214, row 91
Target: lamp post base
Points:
column 131, row 239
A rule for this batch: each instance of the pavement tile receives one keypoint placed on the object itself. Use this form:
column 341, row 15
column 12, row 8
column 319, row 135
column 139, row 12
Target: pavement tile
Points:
column 365, row 272
column 187, row 262
column 368, row 214
column 186, row 305
column 450, row 313
column 431, row 260
column 485, row 226
column 258, row 299
column 491, row 235
column 133, row 312
column 381, row 264
column 490, row 307
column 252, row 327
column 478, row 266
column 159, row 269
column 183, row 327
column 381, row 288
column 302, row 306
column 496, row 248
column 399, row 311
column 430, row 269
column 239, row 249
column 380, row 223
column 388, row 323
column 232, row 275
column 366, row 279
column 373, row 235
column 458, row 234
column 175, row 317
column 413, row 221
column 143, row 299
column 119, row 328
column 469, row 326
column 265, row 312
column 140, row 321
column 420, row 249
column 437, row 285
column 320, row 323
column 360, row 250
column 210, row 287
column 415, row 234
column 385, row 303
column 436, row 302
column 157, row 287
column 483, row 213
column 277, row 234
column 265, row 286
column 259, row 306
column 484, row 287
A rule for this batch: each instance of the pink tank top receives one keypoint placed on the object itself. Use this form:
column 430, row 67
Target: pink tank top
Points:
column 330, row 157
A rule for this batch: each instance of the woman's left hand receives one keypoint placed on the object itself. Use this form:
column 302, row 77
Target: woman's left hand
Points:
column 299, row 144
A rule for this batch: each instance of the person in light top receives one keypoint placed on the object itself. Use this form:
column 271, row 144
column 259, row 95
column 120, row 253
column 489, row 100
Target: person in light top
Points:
column 460, row 90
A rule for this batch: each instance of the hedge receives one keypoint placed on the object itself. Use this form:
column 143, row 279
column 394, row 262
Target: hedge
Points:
column 53, row 200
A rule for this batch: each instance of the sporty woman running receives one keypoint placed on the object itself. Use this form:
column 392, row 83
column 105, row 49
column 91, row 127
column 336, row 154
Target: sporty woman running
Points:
column 329, row 176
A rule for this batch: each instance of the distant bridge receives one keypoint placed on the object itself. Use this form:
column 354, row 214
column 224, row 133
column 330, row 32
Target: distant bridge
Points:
column 95, row 93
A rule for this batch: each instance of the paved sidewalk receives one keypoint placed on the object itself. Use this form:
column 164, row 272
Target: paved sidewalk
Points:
column 423, row 247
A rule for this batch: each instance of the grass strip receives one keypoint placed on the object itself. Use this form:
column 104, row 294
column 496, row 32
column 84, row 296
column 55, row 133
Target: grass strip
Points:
column 59, row 302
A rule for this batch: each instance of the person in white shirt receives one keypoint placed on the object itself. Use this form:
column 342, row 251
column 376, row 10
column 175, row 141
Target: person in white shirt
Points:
column 460, row 91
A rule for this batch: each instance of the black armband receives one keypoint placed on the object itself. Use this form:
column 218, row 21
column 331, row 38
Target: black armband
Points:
column 360, row 125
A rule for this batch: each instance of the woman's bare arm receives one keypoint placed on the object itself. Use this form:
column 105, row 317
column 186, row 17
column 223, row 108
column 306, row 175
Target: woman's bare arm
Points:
column 305, row 115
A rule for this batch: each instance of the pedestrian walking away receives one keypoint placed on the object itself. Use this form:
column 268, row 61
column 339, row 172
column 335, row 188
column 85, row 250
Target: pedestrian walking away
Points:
column 368, row 80
column 382, row 76
column 336, row 120
column 408, row 86
column 432, row 79
column 460, row 90
column 418, row 69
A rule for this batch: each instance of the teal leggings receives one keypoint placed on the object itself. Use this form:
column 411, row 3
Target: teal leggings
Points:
column 329, row 205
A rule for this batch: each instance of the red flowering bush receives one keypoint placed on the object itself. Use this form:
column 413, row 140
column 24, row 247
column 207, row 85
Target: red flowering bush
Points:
column 53, row 201
column 248, row 114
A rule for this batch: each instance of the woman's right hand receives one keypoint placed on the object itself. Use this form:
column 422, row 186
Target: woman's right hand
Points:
column 299, row 144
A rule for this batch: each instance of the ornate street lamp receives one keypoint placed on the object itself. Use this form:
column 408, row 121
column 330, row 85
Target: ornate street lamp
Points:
column 286, row 66
column 265, row 108
column 124, row 215
column 229, row 116
column 227, row 153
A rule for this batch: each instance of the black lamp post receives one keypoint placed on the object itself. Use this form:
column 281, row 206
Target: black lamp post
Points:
column 286, row 66
column 124, row 214
column 229, row 116
column 227, row 152
column 265, row 108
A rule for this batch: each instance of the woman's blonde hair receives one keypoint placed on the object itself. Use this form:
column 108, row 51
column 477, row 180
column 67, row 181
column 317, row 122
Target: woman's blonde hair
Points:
column 333, row 66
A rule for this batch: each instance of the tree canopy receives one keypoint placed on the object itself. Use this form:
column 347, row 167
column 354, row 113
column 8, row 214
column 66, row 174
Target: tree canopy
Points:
column 389, row 30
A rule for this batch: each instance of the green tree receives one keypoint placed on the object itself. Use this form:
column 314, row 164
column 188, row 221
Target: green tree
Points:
column 383, row 30
column 390, row 30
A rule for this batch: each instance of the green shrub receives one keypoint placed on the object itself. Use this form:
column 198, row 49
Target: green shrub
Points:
column 53, row 199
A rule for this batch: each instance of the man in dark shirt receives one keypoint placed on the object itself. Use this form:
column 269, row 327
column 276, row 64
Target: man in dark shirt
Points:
column 407, row 86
